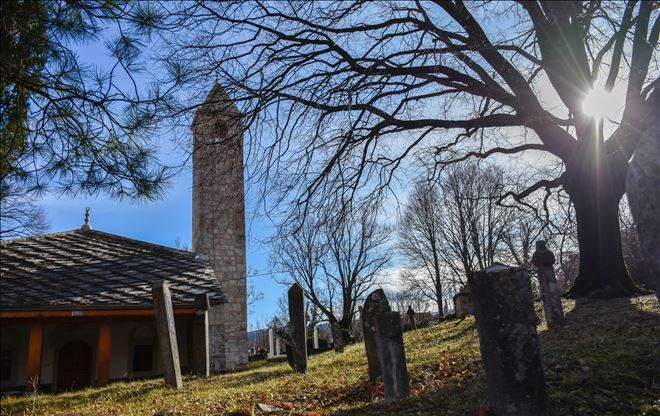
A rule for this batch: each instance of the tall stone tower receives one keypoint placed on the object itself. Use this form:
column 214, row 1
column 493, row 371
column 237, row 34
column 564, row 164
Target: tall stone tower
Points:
column 219, row 222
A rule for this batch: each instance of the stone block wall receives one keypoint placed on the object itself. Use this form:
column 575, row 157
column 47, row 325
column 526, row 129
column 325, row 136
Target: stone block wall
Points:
column 219, row 222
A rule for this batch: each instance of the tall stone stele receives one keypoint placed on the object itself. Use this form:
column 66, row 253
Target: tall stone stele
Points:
column 201, row 335
column 297, row 351
column 166, row 330
column 219, row 223
column 544, row 260
column 375, row 304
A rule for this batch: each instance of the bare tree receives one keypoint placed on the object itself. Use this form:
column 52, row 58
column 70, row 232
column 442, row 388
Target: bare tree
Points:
column 419, row 243
column 280, row 318
column 20, row 216
column 351, row 90
column 404, row 297
column 454, row 227
column 336, row 260
column 253, row 294
column 473, row 225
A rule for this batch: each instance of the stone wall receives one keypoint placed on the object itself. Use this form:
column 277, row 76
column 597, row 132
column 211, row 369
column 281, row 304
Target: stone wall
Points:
column 219, row 222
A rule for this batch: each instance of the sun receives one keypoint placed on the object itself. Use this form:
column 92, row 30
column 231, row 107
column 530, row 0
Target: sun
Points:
column 602, row 104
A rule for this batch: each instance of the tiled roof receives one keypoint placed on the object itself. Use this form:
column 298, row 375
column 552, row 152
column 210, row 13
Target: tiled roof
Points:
column 92, row 269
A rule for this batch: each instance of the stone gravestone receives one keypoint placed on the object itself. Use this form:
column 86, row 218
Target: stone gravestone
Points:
column 509, row 344
column 271, row 343
column 297, row 328
column 201, row 334
column 315, row 338
column 169, row 351
column 643, row 192
column 463, row 302
column 543, row 259
column 375, row 303
column 410, row 314
column 392, row 355
column 337, row 337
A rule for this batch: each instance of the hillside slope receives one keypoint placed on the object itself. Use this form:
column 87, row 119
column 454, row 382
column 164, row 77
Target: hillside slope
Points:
column 604, row 362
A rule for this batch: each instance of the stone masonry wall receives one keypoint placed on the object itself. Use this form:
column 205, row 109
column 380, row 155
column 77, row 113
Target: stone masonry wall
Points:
column 219, row 222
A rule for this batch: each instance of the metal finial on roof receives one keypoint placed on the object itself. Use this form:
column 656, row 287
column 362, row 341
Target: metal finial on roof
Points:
column 86, row 225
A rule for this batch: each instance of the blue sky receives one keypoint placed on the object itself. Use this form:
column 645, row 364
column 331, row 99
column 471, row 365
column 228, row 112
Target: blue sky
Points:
column 163, row 221
column 170, row 219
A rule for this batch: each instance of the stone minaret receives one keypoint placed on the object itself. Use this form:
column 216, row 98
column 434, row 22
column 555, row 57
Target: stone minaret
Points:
column 219, row 222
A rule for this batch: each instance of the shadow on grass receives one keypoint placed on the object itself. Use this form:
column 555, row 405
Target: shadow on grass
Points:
column 605, row 360
column 452, row 400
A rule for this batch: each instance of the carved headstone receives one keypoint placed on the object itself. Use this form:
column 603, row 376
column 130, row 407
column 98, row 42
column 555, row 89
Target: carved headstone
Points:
column 315, row 338
column 410, row 314
column 169, row 351
column 297, row 329
column 643, row 192
column 509, row 344
column 544, row 260
column 357, row 326
column 463, row 302
column 392, row 355
column 337, row 337
column 201, row 334
column 375, row 304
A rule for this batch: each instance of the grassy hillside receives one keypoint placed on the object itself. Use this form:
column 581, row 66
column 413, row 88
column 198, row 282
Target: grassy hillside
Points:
column 606, row 361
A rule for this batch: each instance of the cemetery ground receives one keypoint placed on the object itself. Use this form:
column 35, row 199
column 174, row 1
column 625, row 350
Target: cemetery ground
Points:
column 605, row 361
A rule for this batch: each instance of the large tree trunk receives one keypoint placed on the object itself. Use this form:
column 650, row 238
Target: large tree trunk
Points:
column 440, row 309
column 438, row 291
column 602, row 270
column 596, row 186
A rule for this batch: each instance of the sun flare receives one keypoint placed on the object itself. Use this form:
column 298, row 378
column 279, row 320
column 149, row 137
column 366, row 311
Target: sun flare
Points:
column 602, row 104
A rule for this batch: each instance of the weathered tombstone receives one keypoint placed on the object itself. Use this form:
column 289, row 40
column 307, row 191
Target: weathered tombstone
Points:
column 337, row 337
column 271, row 343
column 410, row 314
column 315, row 338
column 297, row 328
column 358, row 326
column 643, row 192
column 201, row 334
column 543, row 259
column 278, row 348
column 509, row 344
column 169, row 351
column 392, row 355
column 288, row 352
column 375, row 304
column 463, row 302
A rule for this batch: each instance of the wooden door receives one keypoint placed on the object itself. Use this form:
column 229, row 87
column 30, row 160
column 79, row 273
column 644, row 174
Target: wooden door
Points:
column 74, row 369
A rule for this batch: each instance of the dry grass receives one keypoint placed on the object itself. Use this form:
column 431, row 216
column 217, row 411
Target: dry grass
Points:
column 605, row 362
